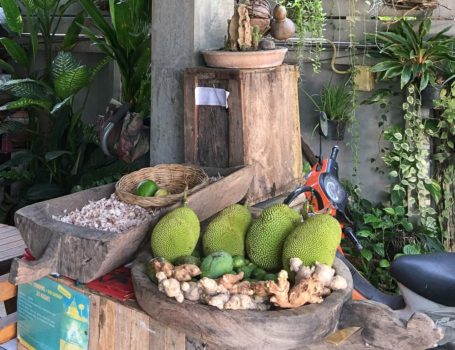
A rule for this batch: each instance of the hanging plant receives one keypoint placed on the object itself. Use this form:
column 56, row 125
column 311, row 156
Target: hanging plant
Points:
column 309, row 18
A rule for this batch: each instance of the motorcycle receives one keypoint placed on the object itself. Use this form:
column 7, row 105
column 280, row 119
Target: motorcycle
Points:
column 426, row 281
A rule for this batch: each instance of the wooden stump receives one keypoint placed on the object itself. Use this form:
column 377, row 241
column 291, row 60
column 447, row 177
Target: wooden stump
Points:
column 242, row 329
column 382, row 328
column 261, row 127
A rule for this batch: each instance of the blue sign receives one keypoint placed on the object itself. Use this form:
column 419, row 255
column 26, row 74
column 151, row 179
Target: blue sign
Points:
column 52, row 316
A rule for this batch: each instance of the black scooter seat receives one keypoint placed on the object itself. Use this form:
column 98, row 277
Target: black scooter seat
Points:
column 432, row 276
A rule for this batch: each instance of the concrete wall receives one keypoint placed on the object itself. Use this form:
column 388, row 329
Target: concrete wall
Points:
column 180, row 29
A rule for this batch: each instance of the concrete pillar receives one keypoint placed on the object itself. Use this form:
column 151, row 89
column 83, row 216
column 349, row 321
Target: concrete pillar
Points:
column 180, row 29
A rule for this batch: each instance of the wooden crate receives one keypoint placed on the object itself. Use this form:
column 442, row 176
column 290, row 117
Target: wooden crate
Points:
column 261, row 127
column 117, row 325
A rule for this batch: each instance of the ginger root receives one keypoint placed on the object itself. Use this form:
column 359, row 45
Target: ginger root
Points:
column 323, row 273
column 218, row 300
column 191, row 291
column 172, row 289
column 240, row 302
column 338, row 282
column 182, row 273
column 229, row 280
column 280, row 290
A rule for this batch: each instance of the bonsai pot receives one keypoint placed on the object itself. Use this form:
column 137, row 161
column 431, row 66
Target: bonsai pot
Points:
column 244, row 59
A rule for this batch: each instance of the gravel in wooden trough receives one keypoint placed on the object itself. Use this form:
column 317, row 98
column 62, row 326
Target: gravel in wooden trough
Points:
column 107, row 214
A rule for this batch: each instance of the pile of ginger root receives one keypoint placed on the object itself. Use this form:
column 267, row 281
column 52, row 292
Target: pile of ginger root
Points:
column 230, row 292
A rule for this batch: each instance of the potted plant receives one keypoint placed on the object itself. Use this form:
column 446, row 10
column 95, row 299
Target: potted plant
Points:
column 412, row 55
column 336, row 109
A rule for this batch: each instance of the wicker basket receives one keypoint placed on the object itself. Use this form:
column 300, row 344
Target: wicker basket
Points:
column 413, row 4
column 173, row 177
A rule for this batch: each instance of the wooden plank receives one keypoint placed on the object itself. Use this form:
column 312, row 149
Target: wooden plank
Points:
column 7, row 290
column 8, row 333
column 94, row 330
column 107, row 326
column 142, row 333
column 236, row 113
column 271, row 127
column 124, row 324
column 190, row 117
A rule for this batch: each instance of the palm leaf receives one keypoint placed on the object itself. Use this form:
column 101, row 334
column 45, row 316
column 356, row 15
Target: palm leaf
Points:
column 16, row 52
column 73, row 32
column 13, row 16
column 6, row 66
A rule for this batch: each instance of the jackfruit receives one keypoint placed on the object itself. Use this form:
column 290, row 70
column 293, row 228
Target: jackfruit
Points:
column 216, row 265
column 317, row 239
column 176, row 234
column 226, row 232
column 265, row 238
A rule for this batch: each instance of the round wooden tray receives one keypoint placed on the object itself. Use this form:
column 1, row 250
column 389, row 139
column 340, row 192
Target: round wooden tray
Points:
column 244, row 59
column 233, row 329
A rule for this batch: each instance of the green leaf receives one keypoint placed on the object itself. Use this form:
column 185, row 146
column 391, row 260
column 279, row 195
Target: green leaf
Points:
column 393, row 173
column 364, row 233
column 367, row 254
column 407, row 225
column 406, row 75
column 73, row 32
column 63, row 62
column 99, row 21
column 384, row 66
column 6, row 67
column 16, row 52
column 389, row 211
column 28, row 88
column 59, row 105
column 435, row 190
column 71, row 82
column 52, row 155
column 379, row 249
column 25, row 102
column 384, row 263
column 13, row 16
column 411, row 249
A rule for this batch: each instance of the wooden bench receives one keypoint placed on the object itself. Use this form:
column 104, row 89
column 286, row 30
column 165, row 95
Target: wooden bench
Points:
column 11, row 246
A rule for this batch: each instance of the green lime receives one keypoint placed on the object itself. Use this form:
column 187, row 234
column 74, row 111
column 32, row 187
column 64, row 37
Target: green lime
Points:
column 161, row 192
column 239, row 261
column 146, row 188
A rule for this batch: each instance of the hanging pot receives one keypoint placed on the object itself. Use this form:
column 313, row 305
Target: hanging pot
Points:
column 331, row 129
column 430, row 94
column 413, row 4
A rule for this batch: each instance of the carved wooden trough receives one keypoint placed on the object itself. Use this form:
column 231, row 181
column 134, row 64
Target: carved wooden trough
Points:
column 85, row 254
column 242, row 329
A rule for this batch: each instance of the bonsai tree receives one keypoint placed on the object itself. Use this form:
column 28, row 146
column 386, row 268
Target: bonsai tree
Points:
column 412, row 55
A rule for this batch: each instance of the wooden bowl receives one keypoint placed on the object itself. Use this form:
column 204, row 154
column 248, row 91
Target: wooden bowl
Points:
column 242, row 329
column 244, row 59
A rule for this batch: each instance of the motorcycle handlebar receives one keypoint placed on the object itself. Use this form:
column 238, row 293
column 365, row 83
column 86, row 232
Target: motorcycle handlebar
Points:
column 334, row 153
column 293, row 195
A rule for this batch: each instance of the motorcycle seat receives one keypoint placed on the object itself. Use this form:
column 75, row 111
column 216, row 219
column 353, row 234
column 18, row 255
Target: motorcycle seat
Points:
column 432, row 276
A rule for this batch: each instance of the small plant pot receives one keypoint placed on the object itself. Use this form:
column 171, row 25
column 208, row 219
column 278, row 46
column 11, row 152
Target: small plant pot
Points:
column 331, row 129
column 335, row 130
column 430, row 94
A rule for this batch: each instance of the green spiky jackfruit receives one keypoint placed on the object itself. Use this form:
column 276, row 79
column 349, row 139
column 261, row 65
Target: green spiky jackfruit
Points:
column 317, row 239
column 265, row 238
column 176, row 234
column 226, row 232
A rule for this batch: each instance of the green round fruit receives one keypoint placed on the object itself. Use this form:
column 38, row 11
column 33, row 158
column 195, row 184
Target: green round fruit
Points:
column 247, row 270
column 161, row 193
column 146, row 188
column 271, row 277
column 239, row 261
column 217, row 264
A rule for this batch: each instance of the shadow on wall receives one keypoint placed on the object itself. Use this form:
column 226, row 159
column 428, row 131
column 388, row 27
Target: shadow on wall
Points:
column 374, row 183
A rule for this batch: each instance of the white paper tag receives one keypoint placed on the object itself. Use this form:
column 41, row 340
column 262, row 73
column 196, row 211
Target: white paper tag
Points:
column 207, row 96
